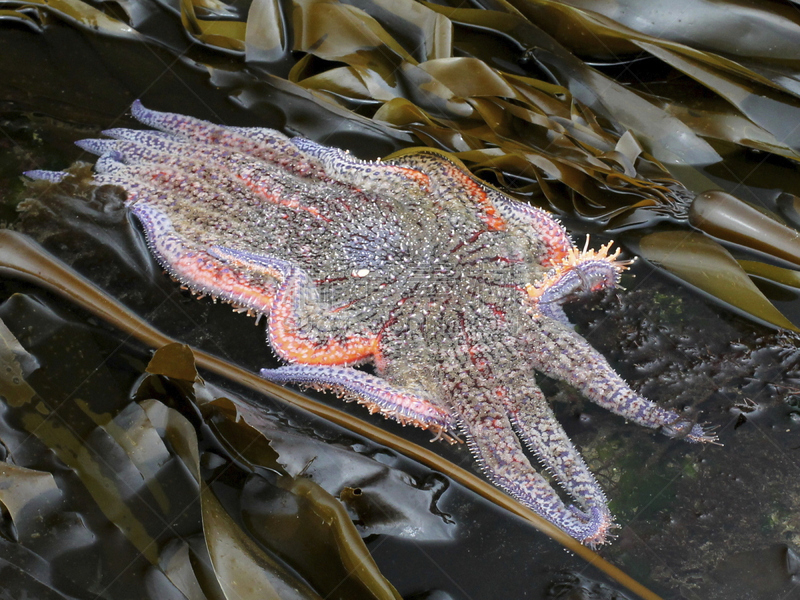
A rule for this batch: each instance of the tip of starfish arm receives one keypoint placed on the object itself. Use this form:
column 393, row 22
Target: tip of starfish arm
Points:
column 597, row 526
column 42, row 175
column 691, row 431
column 704, row 433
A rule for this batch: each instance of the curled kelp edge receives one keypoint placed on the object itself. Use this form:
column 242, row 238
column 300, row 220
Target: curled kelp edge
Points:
column 127, row 464
column 22, row 258
column 339, row 553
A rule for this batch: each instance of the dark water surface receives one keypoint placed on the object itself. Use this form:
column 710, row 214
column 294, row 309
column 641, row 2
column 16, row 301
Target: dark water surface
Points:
column 695, row 522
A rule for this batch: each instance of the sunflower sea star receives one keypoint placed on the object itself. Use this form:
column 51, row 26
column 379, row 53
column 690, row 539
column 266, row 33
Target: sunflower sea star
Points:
column 451, row 289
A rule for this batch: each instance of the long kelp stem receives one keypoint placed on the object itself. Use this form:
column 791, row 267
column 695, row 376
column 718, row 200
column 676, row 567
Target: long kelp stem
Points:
column 22, row 258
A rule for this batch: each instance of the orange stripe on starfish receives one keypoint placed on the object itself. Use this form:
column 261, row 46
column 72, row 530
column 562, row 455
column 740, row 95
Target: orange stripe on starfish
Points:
column 478, row 195
column 208, row 274
column 296, row 348
column 421, row 179
column 558, row 246
column 264, row 191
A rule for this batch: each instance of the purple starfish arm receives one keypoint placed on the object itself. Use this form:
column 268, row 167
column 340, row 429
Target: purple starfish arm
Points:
column 155, row 150
column 42, row 175
column 373, row 392
column 453, row 186
column 265, row 144
column 132, row 146
column 557, row 241
column 540, row 431
column 587, row 271
column 585, row 276
column 156, row 160
column 490, row 438
column 99, row 147
column 565, row 355
column 208, row 274
column 370, row 176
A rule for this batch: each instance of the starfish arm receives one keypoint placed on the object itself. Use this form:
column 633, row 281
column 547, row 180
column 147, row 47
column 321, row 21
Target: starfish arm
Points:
column 587, row 271
column 265, row 144
column 565, row 355
column 496, row 209
column 537, row 426
column 557, row 242
column 373, row 392
column 43, row 175
column 195, row 267
column 154, row 154
column 370, row 176
column 301, row 328
column 452, row 182
column 141, row 145
column 491, row 439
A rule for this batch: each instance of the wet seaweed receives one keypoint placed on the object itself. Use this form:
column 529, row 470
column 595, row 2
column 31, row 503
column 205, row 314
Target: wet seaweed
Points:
column 622, row 126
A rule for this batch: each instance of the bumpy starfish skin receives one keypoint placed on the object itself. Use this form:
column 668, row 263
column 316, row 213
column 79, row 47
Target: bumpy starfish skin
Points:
column 452, row 290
